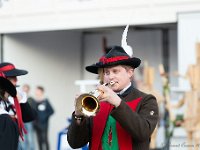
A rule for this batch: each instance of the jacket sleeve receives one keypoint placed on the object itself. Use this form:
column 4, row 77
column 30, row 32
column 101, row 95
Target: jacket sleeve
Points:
column 78, row 135
column 28, row 113
column 50, row 109
column 139, row 124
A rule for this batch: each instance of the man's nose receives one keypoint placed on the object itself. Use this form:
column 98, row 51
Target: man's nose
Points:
column 111, row 76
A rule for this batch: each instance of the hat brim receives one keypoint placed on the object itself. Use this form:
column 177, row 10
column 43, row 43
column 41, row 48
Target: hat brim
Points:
column 133, row 62
column 15, row 72
column 6, row 85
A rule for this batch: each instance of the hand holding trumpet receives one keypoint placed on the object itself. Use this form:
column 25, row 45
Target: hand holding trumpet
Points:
column 108, row 95
column 88, row 104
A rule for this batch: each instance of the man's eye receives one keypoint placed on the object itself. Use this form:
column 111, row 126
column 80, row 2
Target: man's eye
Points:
column 107, row 73
column 115, row 71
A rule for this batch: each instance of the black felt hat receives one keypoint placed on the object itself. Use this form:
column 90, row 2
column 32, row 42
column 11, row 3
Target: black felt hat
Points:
column 116, row 56
column 6, row 85
column 10, row 71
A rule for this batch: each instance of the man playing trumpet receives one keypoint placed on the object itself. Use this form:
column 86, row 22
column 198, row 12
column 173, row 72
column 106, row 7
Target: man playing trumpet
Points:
column 127, row 116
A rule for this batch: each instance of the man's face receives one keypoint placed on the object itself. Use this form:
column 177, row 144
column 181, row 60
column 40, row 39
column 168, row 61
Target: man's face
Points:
column 38, row 94
column 26, row 88
column 119, row 75
column 13, row 80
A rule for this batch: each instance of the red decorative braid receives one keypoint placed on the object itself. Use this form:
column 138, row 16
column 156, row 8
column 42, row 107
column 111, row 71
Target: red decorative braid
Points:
column 105, row 60
column 99, row 123
column 123, row 134
column 7, row 68
column 19, row 118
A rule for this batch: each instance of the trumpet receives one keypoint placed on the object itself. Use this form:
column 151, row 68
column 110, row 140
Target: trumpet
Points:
column 88, row 104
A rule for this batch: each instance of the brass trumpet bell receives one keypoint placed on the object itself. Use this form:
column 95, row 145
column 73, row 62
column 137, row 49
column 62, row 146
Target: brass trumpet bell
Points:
column 88, row 104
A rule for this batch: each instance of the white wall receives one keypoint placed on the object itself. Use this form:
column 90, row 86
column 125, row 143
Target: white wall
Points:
column 53, row 61
column 188, row 36
column 49, row 15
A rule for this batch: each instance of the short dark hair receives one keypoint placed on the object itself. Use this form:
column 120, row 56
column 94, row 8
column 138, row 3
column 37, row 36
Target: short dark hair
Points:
column 41, row 88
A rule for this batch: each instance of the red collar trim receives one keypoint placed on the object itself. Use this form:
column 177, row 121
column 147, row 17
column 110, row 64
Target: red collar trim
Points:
column 105, row 60
column 99, row 122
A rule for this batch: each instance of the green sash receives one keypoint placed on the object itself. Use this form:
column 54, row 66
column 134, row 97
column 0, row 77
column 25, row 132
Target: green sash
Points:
column 109, row 138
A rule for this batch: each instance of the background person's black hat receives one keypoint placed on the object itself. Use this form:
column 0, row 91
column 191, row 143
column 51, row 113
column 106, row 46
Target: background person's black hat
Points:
column 116, row 56
column 6, row 85
column 10, row 71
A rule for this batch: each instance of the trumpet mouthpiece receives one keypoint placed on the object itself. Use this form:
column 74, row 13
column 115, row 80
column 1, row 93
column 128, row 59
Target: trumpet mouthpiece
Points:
column 112, row 82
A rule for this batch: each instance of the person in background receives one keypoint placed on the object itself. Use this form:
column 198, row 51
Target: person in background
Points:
column 44, row 111
column 28, row 114
column 29, row 141
column 12, row 73
column 9, row 132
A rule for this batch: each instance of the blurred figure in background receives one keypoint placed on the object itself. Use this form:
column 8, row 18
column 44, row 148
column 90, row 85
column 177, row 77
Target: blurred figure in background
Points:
column 29, row 141
column 17, row 107
column 44, row 111
column 9, row 132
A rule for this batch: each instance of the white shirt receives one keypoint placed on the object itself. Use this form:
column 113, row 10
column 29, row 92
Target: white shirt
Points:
column 5, row 105
column 122, row 91
column 2, row 108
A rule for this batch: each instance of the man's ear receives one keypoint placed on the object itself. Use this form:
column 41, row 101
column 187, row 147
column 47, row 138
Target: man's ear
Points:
column 131, row 72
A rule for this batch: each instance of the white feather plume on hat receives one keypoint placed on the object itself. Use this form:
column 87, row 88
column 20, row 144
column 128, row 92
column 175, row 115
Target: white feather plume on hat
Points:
column 128, row 49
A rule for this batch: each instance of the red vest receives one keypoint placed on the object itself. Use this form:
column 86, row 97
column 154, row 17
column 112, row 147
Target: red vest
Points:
column 99, row 122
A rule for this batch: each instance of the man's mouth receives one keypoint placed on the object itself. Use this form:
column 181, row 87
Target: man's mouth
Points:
column 113, row 83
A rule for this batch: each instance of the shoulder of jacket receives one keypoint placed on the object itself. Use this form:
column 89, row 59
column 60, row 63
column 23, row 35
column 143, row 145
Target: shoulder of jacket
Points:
column 144, row 95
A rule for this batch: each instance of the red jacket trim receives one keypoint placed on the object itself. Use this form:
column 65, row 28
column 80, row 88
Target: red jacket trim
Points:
column 99, row 122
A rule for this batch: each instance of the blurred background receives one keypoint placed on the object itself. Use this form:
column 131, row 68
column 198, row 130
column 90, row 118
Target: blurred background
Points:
column 55, row 39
